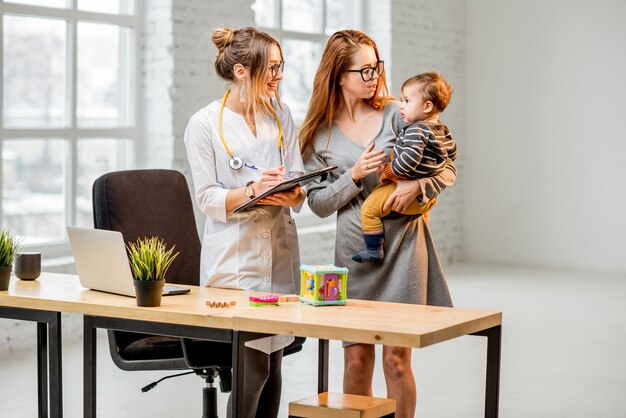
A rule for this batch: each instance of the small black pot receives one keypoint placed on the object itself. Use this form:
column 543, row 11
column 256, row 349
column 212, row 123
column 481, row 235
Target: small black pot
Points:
column 149, row 292
column 5, row 277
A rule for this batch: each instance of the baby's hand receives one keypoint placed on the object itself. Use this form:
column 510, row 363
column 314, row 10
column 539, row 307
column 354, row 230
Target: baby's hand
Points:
column 382, row 177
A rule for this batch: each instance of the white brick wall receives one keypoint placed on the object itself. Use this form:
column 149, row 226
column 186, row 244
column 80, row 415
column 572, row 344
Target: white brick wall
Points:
column 157, row 66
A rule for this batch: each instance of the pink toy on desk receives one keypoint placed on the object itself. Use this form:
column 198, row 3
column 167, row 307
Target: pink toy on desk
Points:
column 263, row 300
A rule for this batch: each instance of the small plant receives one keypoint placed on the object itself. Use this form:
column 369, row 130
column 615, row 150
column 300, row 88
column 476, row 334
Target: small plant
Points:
column 9, row 247
column 149, row 258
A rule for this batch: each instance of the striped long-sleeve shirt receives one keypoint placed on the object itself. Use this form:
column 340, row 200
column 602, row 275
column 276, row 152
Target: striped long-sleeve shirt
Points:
column 421, row 150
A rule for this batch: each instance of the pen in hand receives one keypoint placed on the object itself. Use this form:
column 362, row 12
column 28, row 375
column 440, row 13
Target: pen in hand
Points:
column 253, row 167
column 271, row 177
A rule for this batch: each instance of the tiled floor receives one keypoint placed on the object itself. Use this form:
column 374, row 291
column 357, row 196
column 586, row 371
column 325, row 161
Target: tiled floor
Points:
column 564, row 339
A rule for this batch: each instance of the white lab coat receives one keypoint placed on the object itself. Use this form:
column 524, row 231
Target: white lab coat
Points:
column 255, row 249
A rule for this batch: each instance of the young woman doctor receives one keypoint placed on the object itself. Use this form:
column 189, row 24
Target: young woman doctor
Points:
column 239, row 146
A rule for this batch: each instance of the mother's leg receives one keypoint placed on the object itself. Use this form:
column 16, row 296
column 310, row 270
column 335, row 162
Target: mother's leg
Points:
column 400, row 380
column 358, row 362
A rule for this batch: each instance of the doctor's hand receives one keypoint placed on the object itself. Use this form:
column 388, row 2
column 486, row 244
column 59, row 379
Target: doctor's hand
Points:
column 289, row 198
column 270, row 177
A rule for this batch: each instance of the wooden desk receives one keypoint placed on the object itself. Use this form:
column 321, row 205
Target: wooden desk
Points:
column 384, row 323
column 187, row 316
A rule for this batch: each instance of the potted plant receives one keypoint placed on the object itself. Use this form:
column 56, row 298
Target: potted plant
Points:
column 149, row 260
column 9, row 247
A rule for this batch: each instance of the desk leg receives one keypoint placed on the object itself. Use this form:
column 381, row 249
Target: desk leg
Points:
column 322, row 366
column 49, row 350
column 89, row 368
column 492, row 390
column 56, row 381
column 42, row 368
column 237, row 388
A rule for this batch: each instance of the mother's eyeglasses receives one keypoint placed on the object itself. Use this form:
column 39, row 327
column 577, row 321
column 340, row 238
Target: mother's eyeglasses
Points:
column 367, row 73
column 274, row 68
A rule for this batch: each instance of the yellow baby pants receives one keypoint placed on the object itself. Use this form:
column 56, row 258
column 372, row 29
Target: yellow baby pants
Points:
column 372, row 209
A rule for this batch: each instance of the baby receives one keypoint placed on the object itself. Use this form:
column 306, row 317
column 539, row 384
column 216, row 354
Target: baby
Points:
column 422, row 149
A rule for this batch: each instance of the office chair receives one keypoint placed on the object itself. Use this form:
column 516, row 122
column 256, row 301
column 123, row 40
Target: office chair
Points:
column 145, row 203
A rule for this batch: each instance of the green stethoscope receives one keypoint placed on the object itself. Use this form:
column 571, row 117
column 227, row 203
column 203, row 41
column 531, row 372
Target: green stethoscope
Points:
column 236, row 162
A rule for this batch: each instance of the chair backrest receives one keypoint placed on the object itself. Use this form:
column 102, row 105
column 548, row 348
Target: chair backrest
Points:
column 146, row 203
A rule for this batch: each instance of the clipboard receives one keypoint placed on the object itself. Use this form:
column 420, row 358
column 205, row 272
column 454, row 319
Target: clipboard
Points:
column 285, row 185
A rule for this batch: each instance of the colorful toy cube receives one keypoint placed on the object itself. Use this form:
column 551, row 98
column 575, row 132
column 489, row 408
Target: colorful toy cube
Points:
column 323, row 285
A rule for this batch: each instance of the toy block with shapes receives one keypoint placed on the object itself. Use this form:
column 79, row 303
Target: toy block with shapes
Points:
column 323, row 285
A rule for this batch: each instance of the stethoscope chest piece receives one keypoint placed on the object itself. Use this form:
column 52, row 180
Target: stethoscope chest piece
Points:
column 235, row 163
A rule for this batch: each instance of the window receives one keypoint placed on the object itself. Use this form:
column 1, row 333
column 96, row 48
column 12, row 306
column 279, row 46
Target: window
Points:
column 302, row 27
column 69, row 85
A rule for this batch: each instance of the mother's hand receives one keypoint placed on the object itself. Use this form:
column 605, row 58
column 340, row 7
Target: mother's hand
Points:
column 406, row 192
column 369, row 162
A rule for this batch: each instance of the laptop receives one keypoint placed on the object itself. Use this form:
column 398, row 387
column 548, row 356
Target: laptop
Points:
column 102, row 262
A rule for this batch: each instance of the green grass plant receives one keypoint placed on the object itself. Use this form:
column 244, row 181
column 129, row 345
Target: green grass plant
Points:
column 149, row 258
column 9, row 248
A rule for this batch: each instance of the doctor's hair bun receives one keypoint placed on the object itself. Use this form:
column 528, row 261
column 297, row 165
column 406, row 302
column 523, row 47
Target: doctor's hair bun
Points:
column 222, row 37
column 246, row 46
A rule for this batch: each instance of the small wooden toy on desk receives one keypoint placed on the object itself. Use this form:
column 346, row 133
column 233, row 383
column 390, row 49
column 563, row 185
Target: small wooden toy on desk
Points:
column 220, row 303
column 288, row 298
column 263, row 300
column 323, row 285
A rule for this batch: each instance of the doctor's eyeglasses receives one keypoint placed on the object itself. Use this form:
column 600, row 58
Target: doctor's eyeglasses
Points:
column 274, row 68
column 367, row 73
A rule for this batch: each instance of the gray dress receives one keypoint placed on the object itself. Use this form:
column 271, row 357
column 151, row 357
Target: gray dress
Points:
column 411, row 271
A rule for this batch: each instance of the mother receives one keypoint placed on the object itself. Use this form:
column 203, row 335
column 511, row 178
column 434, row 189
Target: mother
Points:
column 351, row 123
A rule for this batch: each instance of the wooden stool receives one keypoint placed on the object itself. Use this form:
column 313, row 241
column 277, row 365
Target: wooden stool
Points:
column 339, row 405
